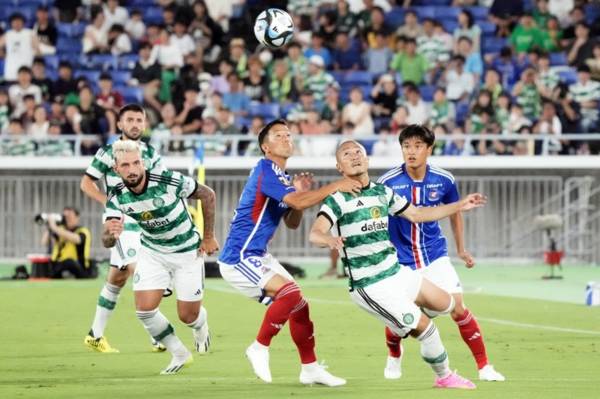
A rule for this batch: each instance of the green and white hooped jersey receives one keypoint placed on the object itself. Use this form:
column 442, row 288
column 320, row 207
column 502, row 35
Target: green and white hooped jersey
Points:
column 368, row 253
column 160, row 211
column 102, row 168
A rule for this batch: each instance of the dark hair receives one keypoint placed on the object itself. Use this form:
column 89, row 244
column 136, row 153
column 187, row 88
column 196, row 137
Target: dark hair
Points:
column 105, row 76
column 465, row 38
column 584, row 68
column 419, row 131
column 65, row 64
column 469, row 16
column 71, row 208
column 265, row 130
column 39, row 60
column 131, row 107
column 25, row 69
column 16, row 15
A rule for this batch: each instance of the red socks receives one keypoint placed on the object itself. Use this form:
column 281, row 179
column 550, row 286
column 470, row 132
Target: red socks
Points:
column 393, row 343
column 289, row 304
column 471, row 334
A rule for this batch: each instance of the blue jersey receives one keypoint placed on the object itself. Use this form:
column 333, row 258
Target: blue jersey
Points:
column 258, row 213
column 419, row 244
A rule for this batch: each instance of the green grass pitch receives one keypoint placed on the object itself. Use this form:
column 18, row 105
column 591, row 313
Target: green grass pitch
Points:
column 546, row 349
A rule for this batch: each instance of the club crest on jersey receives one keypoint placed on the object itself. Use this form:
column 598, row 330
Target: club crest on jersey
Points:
column 131, row 252
column 408, row 318
column 158, row 202
column 146, row 215
column 433, row 195
column 375, row 212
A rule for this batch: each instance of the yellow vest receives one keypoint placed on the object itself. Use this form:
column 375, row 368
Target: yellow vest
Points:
column 66, row 250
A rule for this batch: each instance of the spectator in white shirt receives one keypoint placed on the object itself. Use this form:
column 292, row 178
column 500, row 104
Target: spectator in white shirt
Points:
column 168, row 56
column 459, row 83
column 118, row 41
column 182, row 39
column 135, row 25
column 418, row 111
column 358, row 113
column 38, row 128
column 20, row 44
column 95, row 38
column 23, row 87
column 550, row 124
column 114, row 14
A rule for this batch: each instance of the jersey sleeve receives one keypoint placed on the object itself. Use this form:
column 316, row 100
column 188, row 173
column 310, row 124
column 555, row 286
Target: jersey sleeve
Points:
column 396, row 203
column 100, row 165
column 272, row 186
column 112, row 210
column 331, row 210
column 451, row 194
column 155, row 159
column 186, row 186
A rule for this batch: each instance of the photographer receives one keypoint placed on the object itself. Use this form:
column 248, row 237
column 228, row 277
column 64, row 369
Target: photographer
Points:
column 70, row 244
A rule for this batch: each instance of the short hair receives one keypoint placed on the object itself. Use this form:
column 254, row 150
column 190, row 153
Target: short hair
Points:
column 265, row 130
column 105, row 76
column 24, row 69
column 419, row 131
column 131, row 107
column 71, row 208
column 121, row 147
column 584, row 68
column 337, row 150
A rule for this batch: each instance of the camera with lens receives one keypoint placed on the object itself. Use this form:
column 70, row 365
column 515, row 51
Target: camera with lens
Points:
column 42, row 218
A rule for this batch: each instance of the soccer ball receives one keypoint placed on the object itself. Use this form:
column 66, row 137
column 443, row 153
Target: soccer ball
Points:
column 274, row 28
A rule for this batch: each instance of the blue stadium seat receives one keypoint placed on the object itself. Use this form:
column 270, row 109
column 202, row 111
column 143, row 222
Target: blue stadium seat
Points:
column 446, row 12
column 7, row 3
column 368, row 144
column 68, row 46
column 339, row 76
column 52, row 62
column 127, row 61
column 450, row 25
column 91, row 76
column 100, row 61
column 431, row 2
column 70, row 30
column 558, row 59
column 121, row 78
column 592, row 12
column 493, row 44
column 358, row 78
column 131, row 94
column 424, row 12
column 479, row 13
column 265, row 110
column 487, row 28
column 142, row 3
column 153, row 15
column 569, row 76
column 395, row 17
column 462, row 111
column 427, row 92
column 28, row 13
column 286, row 108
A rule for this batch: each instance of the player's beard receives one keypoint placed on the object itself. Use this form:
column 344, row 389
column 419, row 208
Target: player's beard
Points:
column 132, row 182
column 133, row 134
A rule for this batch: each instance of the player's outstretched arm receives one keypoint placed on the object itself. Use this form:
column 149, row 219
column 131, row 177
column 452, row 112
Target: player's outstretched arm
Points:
column 430, row 214
column 112, row 230
column 207, row 198
column 303, row 200
column 90, row 188
column 456, row 222
column 320, row 235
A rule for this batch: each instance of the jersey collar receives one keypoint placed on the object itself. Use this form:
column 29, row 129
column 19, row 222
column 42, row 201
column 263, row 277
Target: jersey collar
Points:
column 411, row 179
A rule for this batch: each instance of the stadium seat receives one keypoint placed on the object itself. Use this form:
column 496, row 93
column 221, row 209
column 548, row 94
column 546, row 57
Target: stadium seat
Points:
column 446, row 12
column 493, row 44
column 478, row 12
column 266, row 111
column 121, row 78
column 568, row 75
column 70, row 30
column 286, row 108
column 450, row 25
column 52, row 62
column 339, row 76
column 592, row 12
column 142, row 3
column 153, row 15
column 358, row 78
column 68, row 46
column 424, row 12
column 395, row 18
column 131, row 94
column 368, row 144
column 557, row 59
column 462, row 111
column 427, row 92
column 431, row 2
column 28, row 13
column 91, row 76
column 127, row 61
column 488, row 29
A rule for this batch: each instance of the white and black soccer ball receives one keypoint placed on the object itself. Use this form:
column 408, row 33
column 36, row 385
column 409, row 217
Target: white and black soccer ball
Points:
column 274, row 28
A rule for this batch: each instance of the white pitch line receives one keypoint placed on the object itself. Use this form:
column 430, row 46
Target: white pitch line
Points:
column 489, row 320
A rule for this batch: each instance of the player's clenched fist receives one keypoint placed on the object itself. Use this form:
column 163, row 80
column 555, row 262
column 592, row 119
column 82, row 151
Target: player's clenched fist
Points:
column 114, row 227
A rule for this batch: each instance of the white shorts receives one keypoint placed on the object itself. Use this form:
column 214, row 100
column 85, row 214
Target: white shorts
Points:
column 126, row 250
column 252, row 274
column 441, row 273
column 392, row 300
column 156, row 271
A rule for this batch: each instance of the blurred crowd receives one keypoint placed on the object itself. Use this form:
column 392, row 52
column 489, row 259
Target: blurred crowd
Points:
column 482, row 69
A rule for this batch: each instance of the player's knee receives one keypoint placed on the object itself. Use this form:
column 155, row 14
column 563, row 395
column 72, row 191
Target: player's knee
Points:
column 459, row 311
column 189, row 315
column 431, row 313
column 142, row 314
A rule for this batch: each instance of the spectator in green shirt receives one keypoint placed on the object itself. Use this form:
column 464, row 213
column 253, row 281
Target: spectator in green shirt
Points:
column 552, row 36
column 541, row 13
column 412, row 66
column 526, row 35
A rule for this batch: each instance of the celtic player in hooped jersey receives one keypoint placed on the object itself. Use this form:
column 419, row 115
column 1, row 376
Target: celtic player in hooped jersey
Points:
column 378, row 283
column 423, row 247
column 123, row 256
column 171, row 249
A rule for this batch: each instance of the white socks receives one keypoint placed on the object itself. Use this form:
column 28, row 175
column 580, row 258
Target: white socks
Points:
column 106, row 304
column 159, row 327
column 433, row 351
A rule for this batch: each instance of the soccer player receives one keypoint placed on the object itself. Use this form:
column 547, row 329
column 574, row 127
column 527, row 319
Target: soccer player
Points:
column 423, row 247
column 123, row 256
column 269, row 196
column 171, row 250
column 378, row 283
